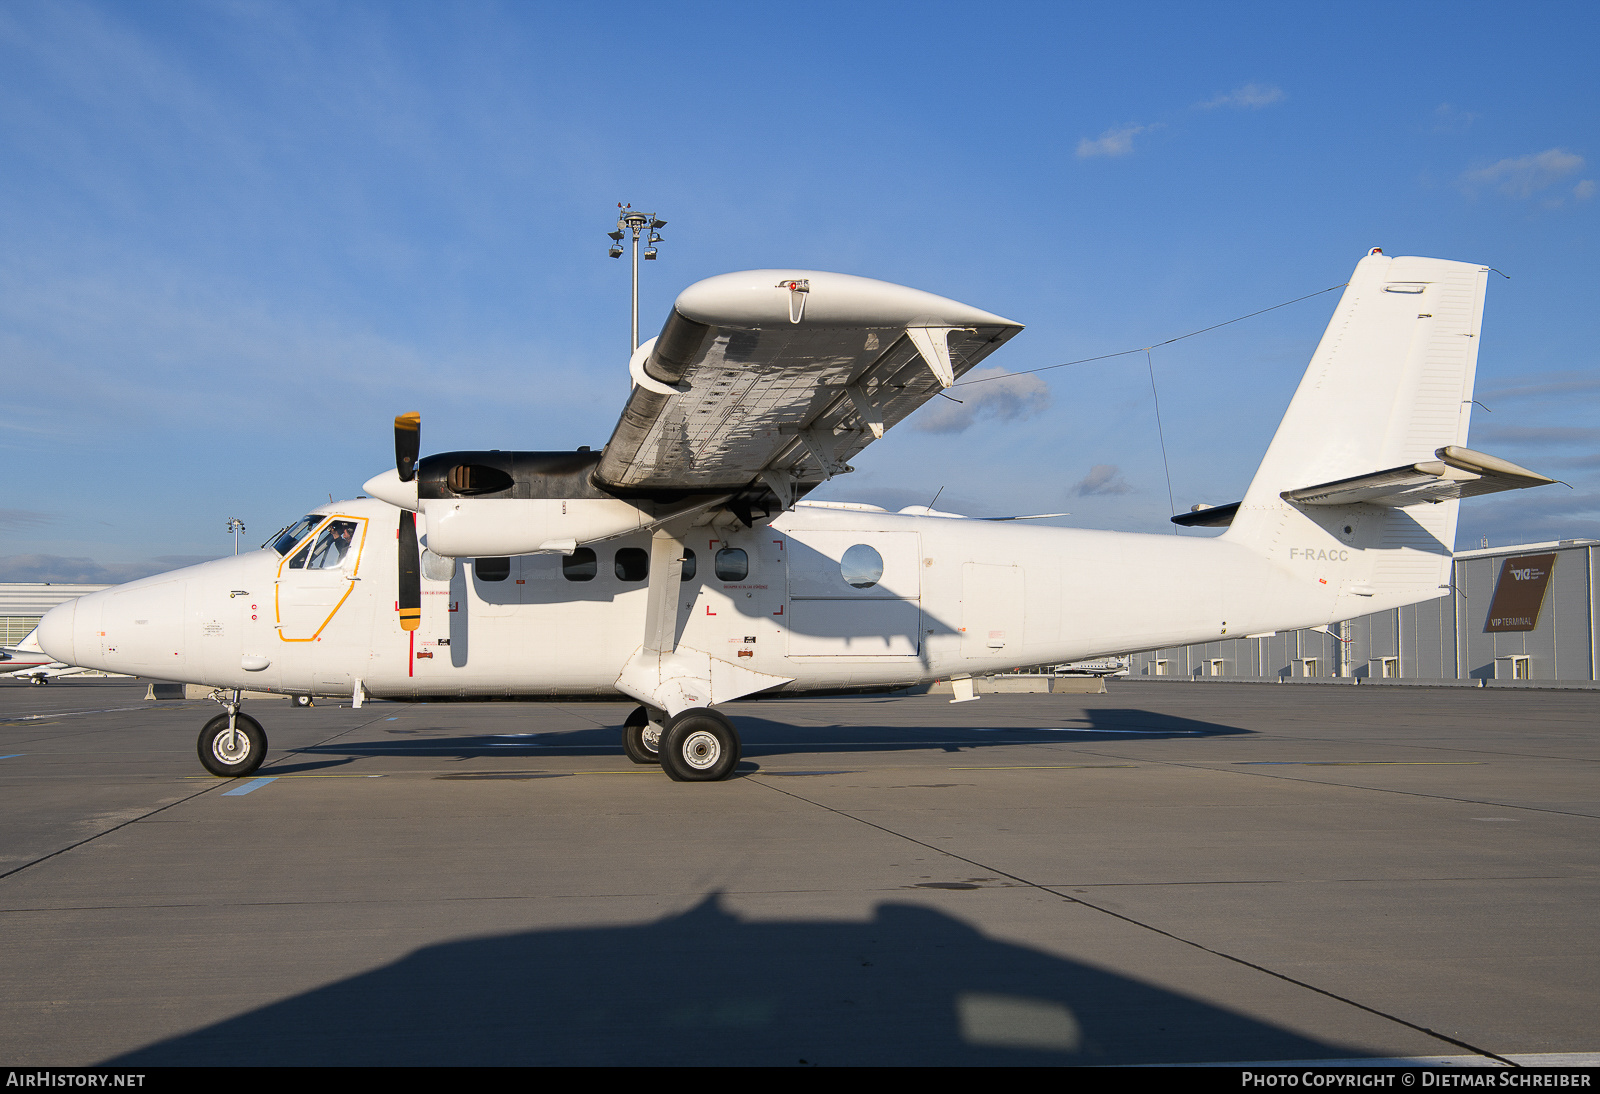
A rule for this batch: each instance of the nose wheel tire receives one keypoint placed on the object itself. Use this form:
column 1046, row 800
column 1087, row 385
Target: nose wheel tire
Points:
column 641, row 738
column 699, row 746
column 232, row 754
column 302, row 700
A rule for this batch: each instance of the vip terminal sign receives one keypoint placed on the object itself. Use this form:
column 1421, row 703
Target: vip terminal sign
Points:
column 1519, row 594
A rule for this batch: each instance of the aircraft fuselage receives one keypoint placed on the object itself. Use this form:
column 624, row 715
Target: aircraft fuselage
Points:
column 819, row 598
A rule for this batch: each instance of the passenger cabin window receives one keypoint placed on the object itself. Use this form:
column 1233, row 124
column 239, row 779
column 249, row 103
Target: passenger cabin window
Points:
column 688, row 564
column 580, row 565
column 492, row 569
column 861, row 567
column 732, row 564
column 633, row 564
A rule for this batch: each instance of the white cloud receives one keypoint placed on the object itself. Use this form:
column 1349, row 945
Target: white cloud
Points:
column 73, row 569
column 1447, row 119
column 1527, row 176
column 1003, row 395
column 1113, row 142
column 1584, row 189
column 1103, row 478
column 24, row 518
column 1248, row 97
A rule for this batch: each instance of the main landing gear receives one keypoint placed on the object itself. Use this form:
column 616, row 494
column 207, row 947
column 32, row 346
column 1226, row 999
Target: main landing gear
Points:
column 232, row 744
column 699, row 745
column 641, row 737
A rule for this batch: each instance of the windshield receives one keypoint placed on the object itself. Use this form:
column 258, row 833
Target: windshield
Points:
column 285, row 540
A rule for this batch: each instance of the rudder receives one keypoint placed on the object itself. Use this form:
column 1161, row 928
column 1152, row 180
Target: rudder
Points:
column 1390, row 384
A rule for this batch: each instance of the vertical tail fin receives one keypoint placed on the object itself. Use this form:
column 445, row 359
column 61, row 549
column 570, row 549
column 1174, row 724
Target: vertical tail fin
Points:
column 1390, row 384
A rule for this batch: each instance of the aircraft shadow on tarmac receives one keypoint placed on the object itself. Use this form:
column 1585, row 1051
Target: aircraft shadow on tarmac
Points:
column 763, row 737
column 910, row 986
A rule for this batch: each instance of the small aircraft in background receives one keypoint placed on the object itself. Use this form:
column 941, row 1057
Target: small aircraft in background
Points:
column 682, row 565
column 26, row 661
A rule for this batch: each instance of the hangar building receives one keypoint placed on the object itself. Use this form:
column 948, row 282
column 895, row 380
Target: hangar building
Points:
column 1513, row 613
column 23, row 604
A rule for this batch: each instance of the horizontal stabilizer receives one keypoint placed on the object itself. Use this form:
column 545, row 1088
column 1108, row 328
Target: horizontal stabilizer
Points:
column 1457, row 473
column 1207, row 516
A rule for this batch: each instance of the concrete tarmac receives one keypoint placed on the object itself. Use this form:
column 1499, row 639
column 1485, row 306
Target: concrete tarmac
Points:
column 1160, row 874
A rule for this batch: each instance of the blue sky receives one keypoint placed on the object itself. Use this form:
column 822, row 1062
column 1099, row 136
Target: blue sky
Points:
column 237, row 238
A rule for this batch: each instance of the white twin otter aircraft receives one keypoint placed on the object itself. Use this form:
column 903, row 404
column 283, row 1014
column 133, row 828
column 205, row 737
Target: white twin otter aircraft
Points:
column 680, row 567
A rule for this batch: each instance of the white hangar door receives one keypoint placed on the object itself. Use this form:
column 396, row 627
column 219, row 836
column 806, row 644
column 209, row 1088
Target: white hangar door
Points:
column 854, row 594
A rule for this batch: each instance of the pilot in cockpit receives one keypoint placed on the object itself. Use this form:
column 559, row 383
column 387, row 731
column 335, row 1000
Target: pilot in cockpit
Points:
column 332, row 546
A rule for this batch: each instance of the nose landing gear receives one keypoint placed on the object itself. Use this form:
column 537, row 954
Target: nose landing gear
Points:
column 232, row 744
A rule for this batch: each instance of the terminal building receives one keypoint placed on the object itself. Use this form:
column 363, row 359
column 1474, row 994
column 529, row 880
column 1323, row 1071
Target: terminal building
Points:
column 23, row 604
column 1512, row 613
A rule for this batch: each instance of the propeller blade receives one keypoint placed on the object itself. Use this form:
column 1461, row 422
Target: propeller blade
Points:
column 409, row 599
column 407, row 445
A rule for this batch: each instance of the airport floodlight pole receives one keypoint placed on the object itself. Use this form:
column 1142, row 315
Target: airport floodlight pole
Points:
column 235, row 525
column 632, row 220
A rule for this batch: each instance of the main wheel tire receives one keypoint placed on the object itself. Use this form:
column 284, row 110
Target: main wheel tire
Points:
column 302, row 700
column 232, row 755
column 641, row 738
column 699, row 745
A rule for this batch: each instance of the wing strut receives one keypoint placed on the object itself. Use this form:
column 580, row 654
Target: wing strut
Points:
column 666, row 675
column 661, row 607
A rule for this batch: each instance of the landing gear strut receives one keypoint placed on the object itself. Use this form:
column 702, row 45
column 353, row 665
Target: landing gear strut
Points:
column 641, row 737
column 232, row 744
column 699, row 745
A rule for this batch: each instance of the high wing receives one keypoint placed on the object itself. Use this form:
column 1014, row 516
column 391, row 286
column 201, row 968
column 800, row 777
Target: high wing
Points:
column 782, row 377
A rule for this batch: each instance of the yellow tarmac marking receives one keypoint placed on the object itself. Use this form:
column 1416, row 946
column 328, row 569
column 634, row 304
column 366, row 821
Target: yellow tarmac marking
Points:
column 1046, row 767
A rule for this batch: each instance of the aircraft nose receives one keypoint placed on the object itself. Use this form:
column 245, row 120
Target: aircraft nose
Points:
column 55, row 633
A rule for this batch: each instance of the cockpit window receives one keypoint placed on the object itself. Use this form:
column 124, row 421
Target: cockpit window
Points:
column 329, row 550
column 285, row 540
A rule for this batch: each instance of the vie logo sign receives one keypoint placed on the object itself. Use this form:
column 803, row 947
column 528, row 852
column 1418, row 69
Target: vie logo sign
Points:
column 1519, row 594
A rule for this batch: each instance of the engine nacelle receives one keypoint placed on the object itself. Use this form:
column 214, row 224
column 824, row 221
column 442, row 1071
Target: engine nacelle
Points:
column 488, row 504
column 478, row 527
